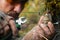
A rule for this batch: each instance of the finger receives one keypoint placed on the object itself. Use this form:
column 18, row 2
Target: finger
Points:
column 1, row 32
column 51, row 27
column 13, row 27
column 12, row 24
column 6, row 29
column 45, row 29
column 41, row 19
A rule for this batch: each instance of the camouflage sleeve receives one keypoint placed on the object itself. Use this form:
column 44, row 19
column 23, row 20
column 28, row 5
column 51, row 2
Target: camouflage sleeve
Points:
column 4, row 19
column 8, row 18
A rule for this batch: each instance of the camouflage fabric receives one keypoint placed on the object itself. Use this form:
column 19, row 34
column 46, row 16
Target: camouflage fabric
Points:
column 4, row 19
column 3, row 22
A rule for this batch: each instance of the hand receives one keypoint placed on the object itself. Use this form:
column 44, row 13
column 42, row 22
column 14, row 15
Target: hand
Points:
column 6, row 29
column 7, row 23
column 49, row 29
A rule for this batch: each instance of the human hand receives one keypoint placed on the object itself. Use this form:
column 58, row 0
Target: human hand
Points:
column 48, row 28
column 7, row 23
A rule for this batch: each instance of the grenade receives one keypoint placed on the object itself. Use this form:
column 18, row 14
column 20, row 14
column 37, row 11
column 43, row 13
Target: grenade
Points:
column 47, row 18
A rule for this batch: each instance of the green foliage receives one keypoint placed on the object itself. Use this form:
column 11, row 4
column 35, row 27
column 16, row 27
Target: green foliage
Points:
column 54, row 6
column 33, row 18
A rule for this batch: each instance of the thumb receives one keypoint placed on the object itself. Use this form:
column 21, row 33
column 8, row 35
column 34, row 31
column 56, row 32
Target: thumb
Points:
column 41, row 20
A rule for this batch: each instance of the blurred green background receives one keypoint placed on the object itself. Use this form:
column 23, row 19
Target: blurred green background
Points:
column 34, row 9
